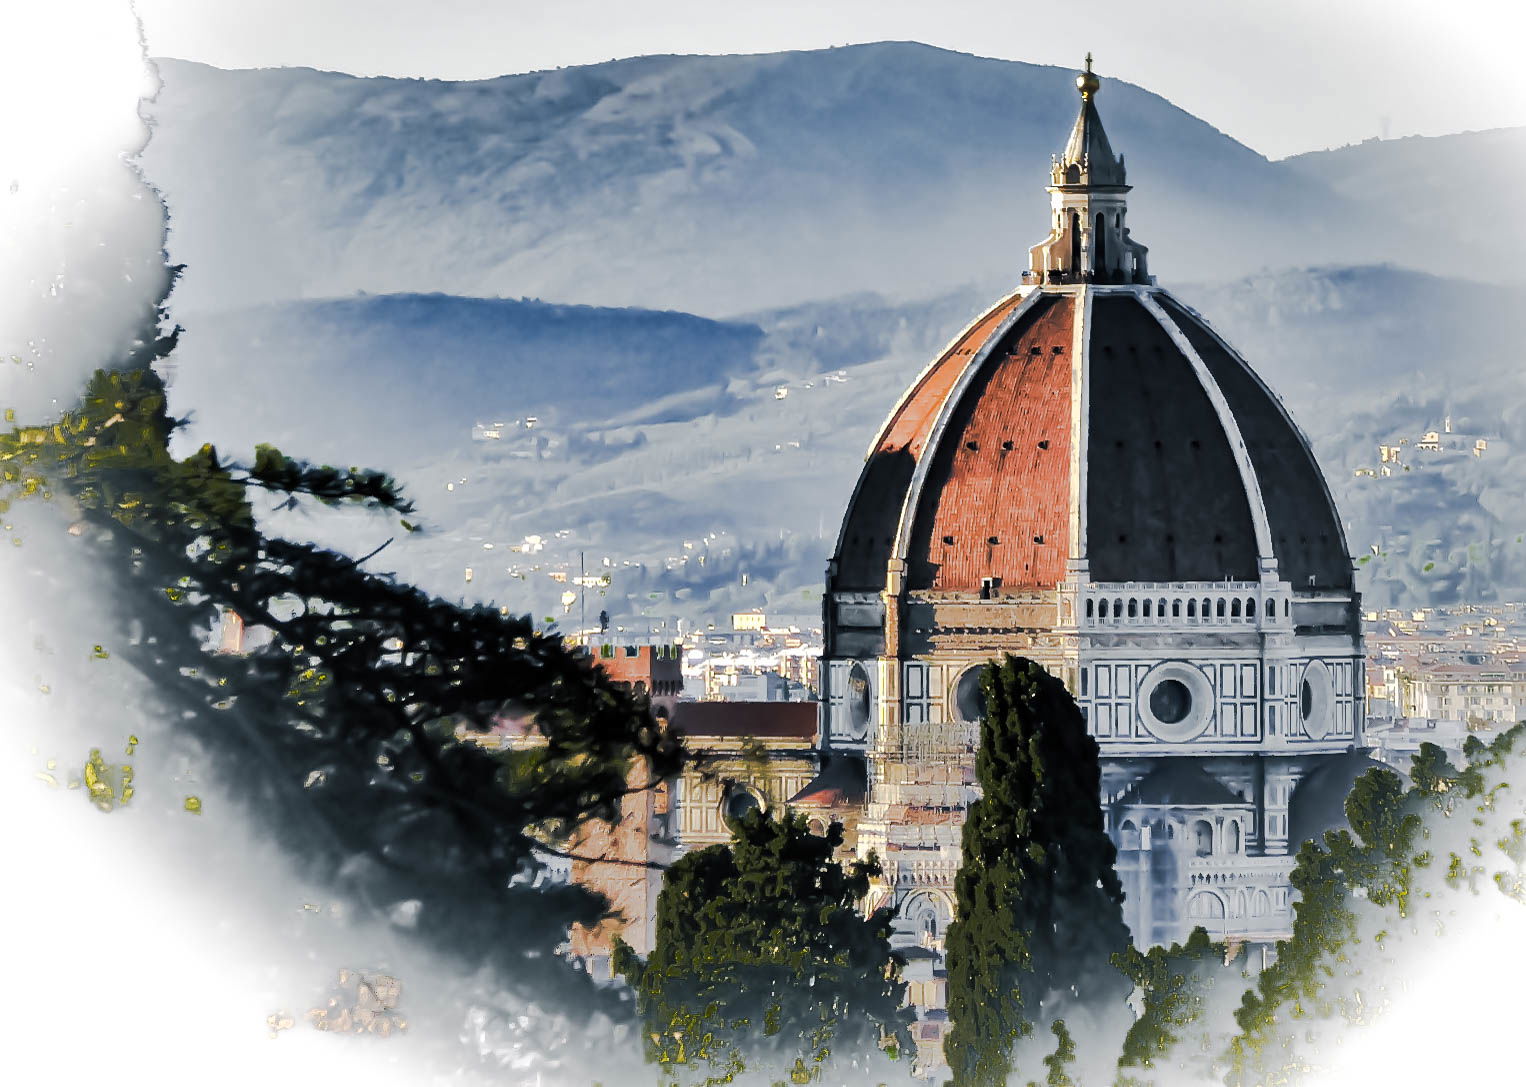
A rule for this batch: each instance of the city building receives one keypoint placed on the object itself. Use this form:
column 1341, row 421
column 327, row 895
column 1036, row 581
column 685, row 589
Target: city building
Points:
column 740, row 756
column 1090, row 476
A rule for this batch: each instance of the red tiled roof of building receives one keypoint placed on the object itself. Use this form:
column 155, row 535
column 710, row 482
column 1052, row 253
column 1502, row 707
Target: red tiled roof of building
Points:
column 735, row 720
column 997, row 498
column 913, row 419
column 843, row 782
column 912, row 815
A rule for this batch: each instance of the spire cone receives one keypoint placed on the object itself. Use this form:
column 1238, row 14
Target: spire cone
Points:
column 1088, row 241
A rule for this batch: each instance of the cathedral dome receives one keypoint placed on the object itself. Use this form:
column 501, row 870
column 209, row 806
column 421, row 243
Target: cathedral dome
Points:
column 1092, row 478
column 1090, row 425
column 1110, row 424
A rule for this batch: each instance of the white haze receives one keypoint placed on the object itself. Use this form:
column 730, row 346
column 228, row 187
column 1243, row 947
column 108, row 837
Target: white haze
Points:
column 148, row 945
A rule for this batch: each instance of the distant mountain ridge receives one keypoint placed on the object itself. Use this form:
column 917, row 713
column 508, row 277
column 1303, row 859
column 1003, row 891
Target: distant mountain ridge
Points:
column 714, row 185
column 747, row 461
column 394, row 378
column 1426, row 182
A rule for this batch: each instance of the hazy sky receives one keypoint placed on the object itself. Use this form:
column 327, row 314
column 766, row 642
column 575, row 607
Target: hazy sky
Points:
column 1283, row 77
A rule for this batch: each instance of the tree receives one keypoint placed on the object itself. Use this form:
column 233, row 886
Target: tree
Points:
column 763, row 966
column 1038, row 912
column 1373, row 898
column 1186, row 995
column 349, row 731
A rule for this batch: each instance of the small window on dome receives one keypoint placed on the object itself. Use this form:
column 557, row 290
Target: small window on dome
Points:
column 1007, row 445
column 1043, row 443
column 948, row 540
column 993, row 540
column 972, row 446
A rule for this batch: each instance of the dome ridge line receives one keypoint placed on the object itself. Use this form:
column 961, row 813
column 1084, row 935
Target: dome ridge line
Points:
column 1282, row 408
column 1078, row 569
column 904, row 525
column 881, row 433
column 1248, row 477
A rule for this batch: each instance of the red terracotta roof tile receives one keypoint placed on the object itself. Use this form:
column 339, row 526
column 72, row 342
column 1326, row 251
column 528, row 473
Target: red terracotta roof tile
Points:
column 997, row 498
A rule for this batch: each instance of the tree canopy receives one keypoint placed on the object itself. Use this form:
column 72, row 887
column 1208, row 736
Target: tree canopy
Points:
column 763, row 967
column 1375, row 900
column 1039, row 906
column 348, row 725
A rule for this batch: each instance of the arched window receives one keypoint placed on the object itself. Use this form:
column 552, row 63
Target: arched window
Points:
column 1075, row 239
column 1234, row 842
column 1234, row 608
column 1207, row 609
column 1102, row 608
column 1205, row 906
column 1133, row 608
column 1250, row 608
column 1271, row 609
column 1160, row 607
column 1176, row 608
column 1091, row 608
column 1192, row 609
column 1147, row 608
column 1117, row 607
column 1219, row 610
column 1099, row 245
column 1202, row 838
column 1128, row 835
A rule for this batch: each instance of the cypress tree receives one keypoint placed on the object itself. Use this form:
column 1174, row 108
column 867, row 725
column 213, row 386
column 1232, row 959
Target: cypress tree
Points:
column 1038, row 905
column 762, row 966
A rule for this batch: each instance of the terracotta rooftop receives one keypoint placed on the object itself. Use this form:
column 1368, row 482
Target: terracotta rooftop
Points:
column 843, row 781
column 736, row 720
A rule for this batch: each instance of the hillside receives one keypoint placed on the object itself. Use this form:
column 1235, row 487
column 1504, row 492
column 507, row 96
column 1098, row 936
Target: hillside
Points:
column 713, row 185
column 396, row 377
column 1422, row 181
column 730, row 496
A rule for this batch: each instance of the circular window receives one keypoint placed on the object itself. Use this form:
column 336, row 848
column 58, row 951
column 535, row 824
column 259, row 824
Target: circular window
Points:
column 1316, row 699
column 739, row 802
column 858, row 701
column 1175, row 702
column 1170, row 701
column 969, row 698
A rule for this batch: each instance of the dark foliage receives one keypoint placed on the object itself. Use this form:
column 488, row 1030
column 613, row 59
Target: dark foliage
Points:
column 1362, row 892
column 1182, row 989
column 763, row 967
column 347, row 727
column 1038, row 914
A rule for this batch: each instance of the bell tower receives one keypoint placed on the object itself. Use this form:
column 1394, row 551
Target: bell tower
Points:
column 1088, row 235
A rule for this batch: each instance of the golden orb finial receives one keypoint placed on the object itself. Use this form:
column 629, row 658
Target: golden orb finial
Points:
column 1086, row 82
